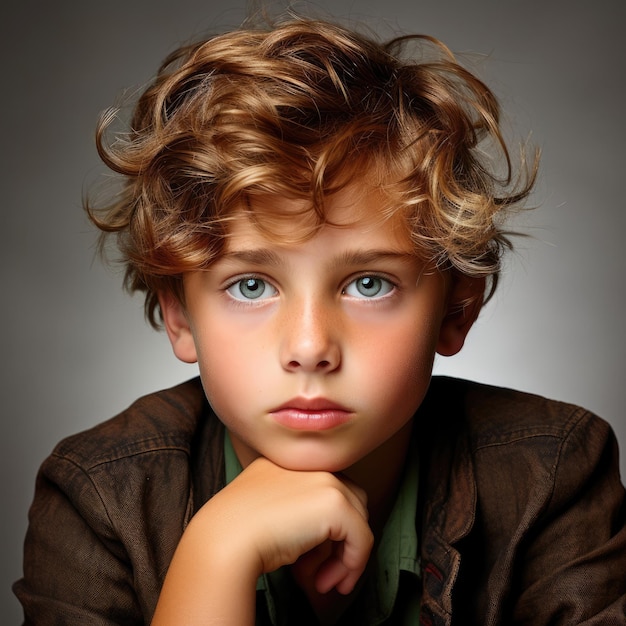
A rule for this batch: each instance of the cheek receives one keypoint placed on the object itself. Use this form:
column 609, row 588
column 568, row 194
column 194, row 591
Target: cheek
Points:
column 232, row 366
column 399, row 363
column 415, row 352
column 404, row 343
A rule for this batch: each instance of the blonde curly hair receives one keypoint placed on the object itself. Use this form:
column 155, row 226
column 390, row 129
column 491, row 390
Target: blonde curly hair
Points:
column 300, row 109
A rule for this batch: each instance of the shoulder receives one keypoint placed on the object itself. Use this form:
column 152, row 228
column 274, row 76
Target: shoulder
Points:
column 152, row 465
column 517, row 451
column 521, row 459
column 165, row 420
column 166, row 446
column 499, row 416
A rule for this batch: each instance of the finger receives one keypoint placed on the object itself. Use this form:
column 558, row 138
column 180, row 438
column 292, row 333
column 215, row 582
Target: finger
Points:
column 330, row 575
column 335, row 575
column 348, row 560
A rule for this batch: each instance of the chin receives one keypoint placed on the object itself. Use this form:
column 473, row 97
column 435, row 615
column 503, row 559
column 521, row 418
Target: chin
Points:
column 312, row 462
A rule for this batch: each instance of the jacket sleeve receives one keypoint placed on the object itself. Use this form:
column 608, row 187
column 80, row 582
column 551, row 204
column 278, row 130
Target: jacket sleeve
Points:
column 574, row 557
column 75, row 570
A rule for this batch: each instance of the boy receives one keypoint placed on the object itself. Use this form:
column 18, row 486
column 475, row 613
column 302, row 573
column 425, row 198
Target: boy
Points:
column 312, row 217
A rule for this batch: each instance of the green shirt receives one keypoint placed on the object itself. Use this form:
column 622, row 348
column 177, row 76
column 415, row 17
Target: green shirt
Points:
column 392, row 589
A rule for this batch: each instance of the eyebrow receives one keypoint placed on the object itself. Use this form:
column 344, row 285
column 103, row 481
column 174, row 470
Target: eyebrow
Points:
column 255, row 256
column 365, row 257
column 266, row 256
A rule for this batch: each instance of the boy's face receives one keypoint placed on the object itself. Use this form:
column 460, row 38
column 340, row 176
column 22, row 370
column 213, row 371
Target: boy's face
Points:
column 315, row 354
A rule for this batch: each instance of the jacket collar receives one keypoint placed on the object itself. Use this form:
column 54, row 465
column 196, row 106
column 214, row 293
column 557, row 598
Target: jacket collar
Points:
column 448, row 497
column 207, row 457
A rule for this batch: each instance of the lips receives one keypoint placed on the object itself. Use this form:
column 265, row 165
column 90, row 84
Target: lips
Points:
column 311, row 414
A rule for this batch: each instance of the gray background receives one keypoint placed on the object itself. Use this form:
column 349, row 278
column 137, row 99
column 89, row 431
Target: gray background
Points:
column 76, row 349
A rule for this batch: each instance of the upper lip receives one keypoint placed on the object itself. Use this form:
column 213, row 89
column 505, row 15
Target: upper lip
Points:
column 310, row 404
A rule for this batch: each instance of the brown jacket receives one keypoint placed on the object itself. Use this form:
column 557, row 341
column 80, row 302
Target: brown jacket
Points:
column 523, row 514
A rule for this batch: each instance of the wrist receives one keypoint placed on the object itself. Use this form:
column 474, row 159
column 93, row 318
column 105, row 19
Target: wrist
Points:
column 208, row 582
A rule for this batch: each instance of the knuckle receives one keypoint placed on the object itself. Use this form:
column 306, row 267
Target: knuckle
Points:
column 335, row 498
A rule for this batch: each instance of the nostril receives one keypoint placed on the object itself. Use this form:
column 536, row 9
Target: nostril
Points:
column 322, row 365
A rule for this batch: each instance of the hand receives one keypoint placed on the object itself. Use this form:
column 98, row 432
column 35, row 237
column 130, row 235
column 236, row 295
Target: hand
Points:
column 267, row 517
column 270, row 516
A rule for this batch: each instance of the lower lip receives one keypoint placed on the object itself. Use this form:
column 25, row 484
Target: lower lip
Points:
column 298, row 419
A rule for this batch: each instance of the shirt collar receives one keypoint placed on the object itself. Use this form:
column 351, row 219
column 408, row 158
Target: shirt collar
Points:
column 398, row 547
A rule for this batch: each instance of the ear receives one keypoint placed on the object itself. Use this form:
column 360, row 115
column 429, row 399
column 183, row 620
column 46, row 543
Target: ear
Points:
column 177, row 327
column 465, row 301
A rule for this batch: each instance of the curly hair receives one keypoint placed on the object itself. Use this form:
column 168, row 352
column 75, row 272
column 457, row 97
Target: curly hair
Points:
column 300, row 109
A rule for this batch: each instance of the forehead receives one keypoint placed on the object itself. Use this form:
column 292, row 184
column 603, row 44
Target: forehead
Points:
column 357, row 211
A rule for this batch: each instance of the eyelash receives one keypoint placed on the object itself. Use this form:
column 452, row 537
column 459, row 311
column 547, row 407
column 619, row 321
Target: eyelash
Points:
column 391, row 288
column 248, row 277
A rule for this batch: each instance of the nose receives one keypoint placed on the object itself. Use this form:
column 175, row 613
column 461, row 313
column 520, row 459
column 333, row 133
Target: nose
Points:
column 310, row 340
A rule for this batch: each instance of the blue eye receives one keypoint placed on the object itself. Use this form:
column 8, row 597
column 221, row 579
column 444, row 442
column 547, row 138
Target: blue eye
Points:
column 368, row 287
column 251, row 288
